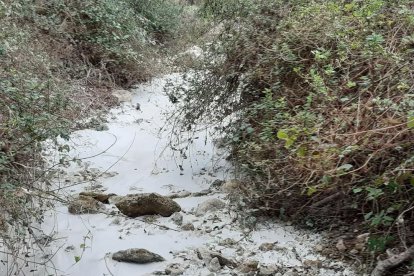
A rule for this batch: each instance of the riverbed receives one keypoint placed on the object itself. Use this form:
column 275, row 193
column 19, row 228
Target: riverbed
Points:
column 133, row 154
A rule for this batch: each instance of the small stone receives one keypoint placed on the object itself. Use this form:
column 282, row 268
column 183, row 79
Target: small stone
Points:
column 122, row 95
column 137, row 255
column 181, row 194
column 104, row 198
column 201, row 193
column 207, row 255
column 231, row 186
column 359, row 246
column 174, row 269
column 177, row 218
column 354, row 251
column 69, row 248
column 249, row 266
column 267, row 246
column 84, row 205
column 267, row 271
column 340, row 245
column 217, row 184
column 227, row 242
column 214, row 265
column 209, row 205
column 363, row 238
column 188, row 227
column 312, row 263
column 319, row 248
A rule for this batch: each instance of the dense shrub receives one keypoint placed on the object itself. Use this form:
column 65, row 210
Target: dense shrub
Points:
column 58, row 60
column 323, row 96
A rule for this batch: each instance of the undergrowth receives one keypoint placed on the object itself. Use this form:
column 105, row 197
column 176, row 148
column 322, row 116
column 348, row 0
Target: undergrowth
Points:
column 320, row 99
column 59, row 59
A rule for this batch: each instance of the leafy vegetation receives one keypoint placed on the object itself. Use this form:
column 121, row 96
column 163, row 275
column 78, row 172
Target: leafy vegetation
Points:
column 59, row 59
column 320, row 99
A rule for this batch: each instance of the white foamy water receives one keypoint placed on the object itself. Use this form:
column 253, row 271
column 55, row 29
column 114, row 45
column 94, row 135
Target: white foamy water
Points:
column 136, row 158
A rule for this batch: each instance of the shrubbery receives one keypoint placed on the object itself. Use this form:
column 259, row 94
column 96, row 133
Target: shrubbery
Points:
column 58, row 59
column 323, row 96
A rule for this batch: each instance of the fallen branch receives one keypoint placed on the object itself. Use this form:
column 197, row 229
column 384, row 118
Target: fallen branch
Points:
column 326, row 200
column 394, row 261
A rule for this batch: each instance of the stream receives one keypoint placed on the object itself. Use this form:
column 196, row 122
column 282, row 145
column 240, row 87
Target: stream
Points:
column 131, row 155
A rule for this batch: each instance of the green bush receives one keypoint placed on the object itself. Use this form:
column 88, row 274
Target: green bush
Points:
column 58, row 60
column 323, row 96
column 163, row 16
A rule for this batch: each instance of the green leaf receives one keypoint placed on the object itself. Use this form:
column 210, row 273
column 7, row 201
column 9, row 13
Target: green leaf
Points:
column 281, row 134
column 345, row 167
column 410, row 122
column 289, row 143
column 357, row 190
column 249, row 130
column 311, row 191
column 351, row 84
column 301, row 151
column 77, row 259
column 373, row 193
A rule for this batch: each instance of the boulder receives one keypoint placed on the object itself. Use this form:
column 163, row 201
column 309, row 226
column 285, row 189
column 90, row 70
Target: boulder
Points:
column 209, row 205
column 137, row 255
column 136, row 205
column 85, row 205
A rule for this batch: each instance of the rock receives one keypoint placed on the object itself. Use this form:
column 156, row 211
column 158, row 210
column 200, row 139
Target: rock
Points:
column 201, row 193
column 174, row 269
column 209, row 205
column 217, row 184
column 181, row 194
column 122, row 95
column 267, row 271
column 188, row 227
column 177, row 218
column 223, row 261
column 136, row 205
column 115, row 199
column 227, row 242
column 312, row 263
column 354, row 251
column 214, row 265
column 267, row 246
column 319, row 248
column 207, row 255
column 84, row 205
column 231, row 186
column 249, row 266
column 3, row 224
column 136, row 255
column 340, row 245
column 363, row 238
column 104, row 198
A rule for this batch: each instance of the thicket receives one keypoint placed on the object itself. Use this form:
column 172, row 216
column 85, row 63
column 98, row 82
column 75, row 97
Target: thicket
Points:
column 320, row 99
column 58, row 60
